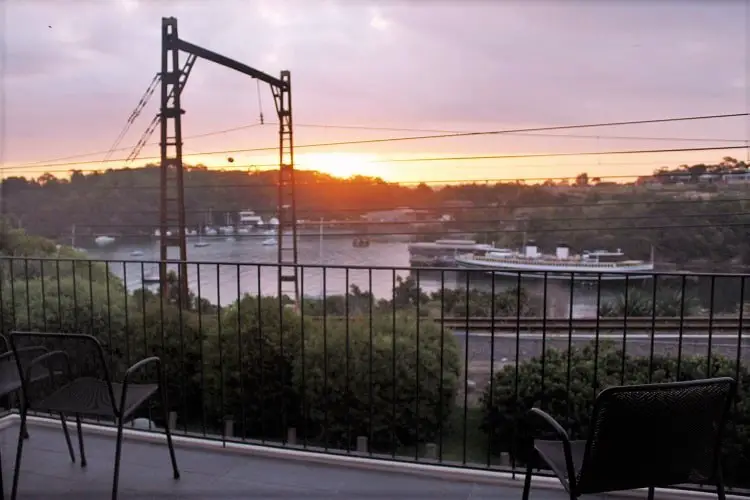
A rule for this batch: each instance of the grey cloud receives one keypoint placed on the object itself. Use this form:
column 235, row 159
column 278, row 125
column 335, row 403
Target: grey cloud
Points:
column 439, row 62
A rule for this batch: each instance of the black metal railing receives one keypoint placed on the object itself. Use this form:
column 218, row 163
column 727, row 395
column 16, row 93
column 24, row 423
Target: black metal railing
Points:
column 433, row 365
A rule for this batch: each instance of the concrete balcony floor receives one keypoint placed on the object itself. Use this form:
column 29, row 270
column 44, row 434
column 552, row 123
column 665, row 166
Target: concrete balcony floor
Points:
column 211, row 472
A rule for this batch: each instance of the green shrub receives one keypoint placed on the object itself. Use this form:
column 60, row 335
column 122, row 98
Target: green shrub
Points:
column 570, row 400
column 348, row 381
column 248, row 367
column 67, row 305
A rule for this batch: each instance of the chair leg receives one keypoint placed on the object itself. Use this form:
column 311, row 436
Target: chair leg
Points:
column 80, row 440
column 19, row 454
column 720, row 484
column 67, row 437
column 118, row 453
column 24, row 429
column 2, row 486
column 167, row 431
column 527, row 481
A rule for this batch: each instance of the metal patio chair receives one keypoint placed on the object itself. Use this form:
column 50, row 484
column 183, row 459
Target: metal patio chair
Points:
column 10, row 384
column 642, row 436
column 81, row 384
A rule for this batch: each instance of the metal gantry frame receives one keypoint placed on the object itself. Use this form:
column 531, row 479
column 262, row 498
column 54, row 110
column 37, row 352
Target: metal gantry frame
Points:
column 172, row 192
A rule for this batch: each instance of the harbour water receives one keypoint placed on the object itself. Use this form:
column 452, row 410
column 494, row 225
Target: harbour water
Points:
column 224, row 270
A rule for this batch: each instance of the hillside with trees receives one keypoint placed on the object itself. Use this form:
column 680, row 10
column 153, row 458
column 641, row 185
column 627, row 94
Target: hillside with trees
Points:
column 693, row 217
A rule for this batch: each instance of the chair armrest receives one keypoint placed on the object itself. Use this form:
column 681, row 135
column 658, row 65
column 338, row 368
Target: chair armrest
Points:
column 10, row 354
column 551, row 423
column 131, row 371
column 140, row 365
column 563, row 436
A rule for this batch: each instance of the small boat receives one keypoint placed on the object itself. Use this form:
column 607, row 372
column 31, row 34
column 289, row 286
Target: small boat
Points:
column 269, row 242
column 361, row 243
column 201, row 244
column 136, row 253
column 104, row 240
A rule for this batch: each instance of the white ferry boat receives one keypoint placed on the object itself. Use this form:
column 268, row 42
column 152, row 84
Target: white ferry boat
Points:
column 443, row 252
column 588, row 266
column 247, row 221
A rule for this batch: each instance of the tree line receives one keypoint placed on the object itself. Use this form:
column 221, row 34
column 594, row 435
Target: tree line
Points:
column 700, row 228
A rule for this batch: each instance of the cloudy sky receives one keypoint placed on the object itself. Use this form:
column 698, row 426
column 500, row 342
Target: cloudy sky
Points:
column 76, row 69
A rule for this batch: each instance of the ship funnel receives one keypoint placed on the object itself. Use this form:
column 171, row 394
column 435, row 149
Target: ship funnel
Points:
column 562, row 251
column 531, row 250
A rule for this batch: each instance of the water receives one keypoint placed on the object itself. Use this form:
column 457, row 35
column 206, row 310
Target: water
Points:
column 235, row 266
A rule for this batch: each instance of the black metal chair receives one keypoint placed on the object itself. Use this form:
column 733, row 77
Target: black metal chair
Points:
column 80, row 383
column 642, row 436
column 10, row 383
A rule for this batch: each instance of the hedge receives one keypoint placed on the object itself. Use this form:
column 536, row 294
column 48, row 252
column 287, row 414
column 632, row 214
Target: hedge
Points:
column 570, row 399
column 381, row 380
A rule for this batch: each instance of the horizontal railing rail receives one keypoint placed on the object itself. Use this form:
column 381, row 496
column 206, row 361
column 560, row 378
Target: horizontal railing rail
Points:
column 436, row 366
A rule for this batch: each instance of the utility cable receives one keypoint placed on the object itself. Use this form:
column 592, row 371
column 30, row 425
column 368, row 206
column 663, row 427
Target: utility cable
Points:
column 134, row 115
column 426, row 137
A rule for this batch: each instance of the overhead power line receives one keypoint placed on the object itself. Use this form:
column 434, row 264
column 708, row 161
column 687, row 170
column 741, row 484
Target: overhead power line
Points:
column 271, row 166
column 422, row 137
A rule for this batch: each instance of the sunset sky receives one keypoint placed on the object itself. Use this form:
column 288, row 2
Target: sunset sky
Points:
column 75, row 70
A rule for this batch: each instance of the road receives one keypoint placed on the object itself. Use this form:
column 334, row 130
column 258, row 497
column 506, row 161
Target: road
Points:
column 637, row 344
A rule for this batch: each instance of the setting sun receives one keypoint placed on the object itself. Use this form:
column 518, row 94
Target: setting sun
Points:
column 340, row 164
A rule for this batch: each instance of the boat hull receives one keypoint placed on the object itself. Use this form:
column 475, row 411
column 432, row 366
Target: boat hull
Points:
column 641, row 273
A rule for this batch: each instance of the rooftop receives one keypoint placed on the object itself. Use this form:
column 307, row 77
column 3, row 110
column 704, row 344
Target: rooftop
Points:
column 225, row 473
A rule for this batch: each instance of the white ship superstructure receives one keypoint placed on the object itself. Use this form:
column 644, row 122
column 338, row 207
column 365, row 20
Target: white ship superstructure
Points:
column 587, row 266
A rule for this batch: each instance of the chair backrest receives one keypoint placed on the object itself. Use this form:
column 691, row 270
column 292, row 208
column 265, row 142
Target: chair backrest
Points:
column 84, row 354
column 655, row 435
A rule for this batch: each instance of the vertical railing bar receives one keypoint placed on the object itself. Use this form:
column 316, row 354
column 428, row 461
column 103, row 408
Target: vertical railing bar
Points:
column 305, row 396
column 519, row 309
column 347, row 373
column 571, row 296
column 491, row 393
column 201, row 352
column 467, row 313
column 326, row 397
column 393, row 362
column 220, row 339
column 681, row 327
column 182, row 302
column 711, row 313
column 28, row 292
column 441, row 396
column 370, row 360
column 75, row 294
column 240, row 359
column 625, row 331
column 281, row 367
column 655, row 278
column 545, row 290
column 597, row 331
column 44, row 295
column 261, row 354
column 145, row 331
column 417, row 366
column 126, row 337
